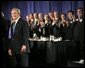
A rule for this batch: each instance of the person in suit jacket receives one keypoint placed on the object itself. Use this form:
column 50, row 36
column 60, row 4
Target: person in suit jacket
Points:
column 3, row 38
column 63, row 26
column 47, row 25
column 18, row 35
column 79, row 34
column 40, row 29
column 55, row 26
column 71, row 25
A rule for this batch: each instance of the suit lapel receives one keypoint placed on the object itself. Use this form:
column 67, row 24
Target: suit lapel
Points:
column 17, row 27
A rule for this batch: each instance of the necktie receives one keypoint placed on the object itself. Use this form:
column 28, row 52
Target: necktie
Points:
column 11, row 30
column 13, row 27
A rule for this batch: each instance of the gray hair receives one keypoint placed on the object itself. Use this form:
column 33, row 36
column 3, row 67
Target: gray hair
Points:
column 18, row 10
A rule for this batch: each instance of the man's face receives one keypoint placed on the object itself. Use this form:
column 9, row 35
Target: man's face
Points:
column 79, row 12
column 35, row 15
column 51, row 15
column 40, row 16
column 70, row 15
column 46, row 17
column 14, row 14
column 62, row 16
column 56, row 14
column 31, row 16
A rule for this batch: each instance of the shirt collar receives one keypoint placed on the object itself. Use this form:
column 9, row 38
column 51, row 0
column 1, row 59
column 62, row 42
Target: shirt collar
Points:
column 16, row 20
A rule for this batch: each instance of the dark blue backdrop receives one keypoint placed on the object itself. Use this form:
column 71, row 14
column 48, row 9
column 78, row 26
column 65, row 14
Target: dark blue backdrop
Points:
column 27, row 7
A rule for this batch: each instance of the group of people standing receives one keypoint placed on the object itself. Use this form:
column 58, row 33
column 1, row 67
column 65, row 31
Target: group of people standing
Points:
column 59, row 25
column 15, row 33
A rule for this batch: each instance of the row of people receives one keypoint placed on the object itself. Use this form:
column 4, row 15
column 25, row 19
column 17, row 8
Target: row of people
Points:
column 54, row 24
column 69, row 27
column 18, row 46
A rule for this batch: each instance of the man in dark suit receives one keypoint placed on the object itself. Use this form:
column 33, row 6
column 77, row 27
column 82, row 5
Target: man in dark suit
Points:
column 55, row 28
column 71, row 25
column 3, row 37
column 79, row 34
column 18, row 36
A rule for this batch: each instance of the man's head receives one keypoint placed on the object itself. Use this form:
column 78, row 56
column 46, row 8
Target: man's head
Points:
column 70, row 14
column 80, row 12
column 63, row 16
column 15, row 13
column 46, row 17
column 56, row 15
column 35, row 15
column 40, row 16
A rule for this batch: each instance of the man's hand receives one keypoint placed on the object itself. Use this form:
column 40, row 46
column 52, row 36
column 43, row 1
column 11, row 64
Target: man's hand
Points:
column 10, row 52
column 23, row 48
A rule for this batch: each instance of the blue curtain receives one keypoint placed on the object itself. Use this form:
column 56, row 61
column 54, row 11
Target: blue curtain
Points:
column 44, row 7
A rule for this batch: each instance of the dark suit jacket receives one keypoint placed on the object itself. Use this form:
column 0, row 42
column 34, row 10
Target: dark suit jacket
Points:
column 47, row 30
column 20, row 37
column 39, row 33
column 79, row 32
column 79, row 38
column 70, row 31
column 55, row 30
column 4, row 25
